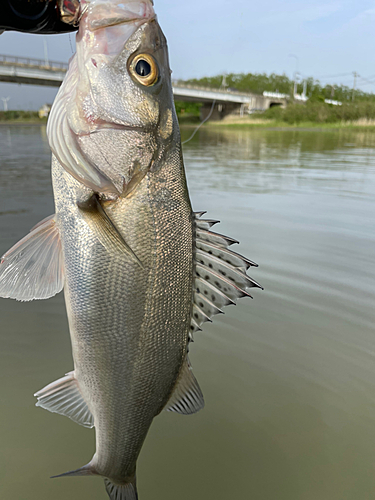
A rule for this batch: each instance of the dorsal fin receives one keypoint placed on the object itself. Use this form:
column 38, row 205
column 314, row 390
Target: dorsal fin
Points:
column 220, row 274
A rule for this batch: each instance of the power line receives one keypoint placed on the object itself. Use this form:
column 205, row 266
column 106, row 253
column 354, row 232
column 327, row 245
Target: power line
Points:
column 369, row 77
column 367, row 83
column 334, row 76
column 367, row 80
column 356, row 75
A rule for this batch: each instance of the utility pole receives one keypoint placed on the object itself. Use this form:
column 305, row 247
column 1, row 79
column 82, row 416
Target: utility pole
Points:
column 356, row 75
column 304, row 92
column 5, row 102
column 296, row 74
column 296, row 82
column 224, row 84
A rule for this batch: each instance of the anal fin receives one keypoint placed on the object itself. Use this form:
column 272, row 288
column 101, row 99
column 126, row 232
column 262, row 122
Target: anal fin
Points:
column 64, row 397
column 187, row 397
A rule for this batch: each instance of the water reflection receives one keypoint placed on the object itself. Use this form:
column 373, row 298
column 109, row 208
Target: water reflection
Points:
column 272, row 161
column 289, row 378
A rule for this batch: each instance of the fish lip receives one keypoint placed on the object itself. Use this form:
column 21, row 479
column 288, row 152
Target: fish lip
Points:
column 139, row 21
column 113, row 126
column 116, row 16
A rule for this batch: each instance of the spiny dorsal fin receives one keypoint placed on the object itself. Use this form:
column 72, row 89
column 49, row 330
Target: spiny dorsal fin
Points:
column 220, row 274
column 187, row 397
column 64, row 397
column 33, row 268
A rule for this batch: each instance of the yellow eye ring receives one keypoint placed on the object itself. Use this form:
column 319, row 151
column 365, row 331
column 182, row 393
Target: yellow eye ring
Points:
column 144, row 69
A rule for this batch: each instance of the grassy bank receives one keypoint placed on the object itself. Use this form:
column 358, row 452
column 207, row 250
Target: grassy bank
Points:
column 188, row 112
column 303, row 125
column 313, row 114
column 309, row 116
column 18, row 116
column 322, row 113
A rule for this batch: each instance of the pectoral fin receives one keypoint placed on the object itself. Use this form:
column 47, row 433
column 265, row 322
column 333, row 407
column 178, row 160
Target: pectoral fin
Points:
column 187, row 397
column 108, row 234
column 33, row 268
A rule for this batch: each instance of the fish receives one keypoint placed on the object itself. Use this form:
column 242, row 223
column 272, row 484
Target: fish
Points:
column 141, row 272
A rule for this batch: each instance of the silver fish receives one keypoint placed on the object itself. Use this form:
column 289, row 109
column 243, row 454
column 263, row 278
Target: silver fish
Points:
column 141, row 271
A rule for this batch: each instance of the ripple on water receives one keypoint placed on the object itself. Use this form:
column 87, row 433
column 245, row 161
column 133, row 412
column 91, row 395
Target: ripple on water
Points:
column 289, row 378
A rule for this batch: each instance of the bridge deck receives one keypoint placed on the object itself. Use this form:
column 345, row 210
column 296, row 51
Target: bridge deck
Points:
column 38, row 72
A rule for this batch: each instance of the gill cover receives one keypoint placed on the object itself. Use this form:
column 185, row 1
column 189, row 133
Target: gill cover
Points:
column 101, row 126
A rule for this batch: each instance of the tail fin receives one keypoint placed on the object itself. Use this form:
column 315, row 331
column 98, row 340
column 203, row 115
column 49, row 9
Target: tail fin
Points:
column 86, row 470
column 121, row 492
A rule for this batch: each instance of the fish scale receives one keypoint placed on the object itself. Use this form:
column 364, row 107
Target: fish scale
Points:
column 141, row 272
column 141, row 317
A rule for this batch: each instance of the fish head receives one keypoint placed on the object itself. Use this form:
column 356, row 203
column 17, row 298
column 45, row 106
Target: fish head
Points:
column 117, row 102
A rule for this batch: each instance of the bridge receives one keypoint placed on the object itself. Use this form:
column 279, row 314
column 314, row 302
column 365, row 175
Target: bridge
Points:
column 31, row 71
column 216, row 103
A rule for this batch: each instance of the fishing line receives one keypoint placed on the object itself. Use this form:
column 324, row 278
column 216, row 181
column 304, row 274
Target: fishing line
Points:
column 199, row 126
column 71, row 45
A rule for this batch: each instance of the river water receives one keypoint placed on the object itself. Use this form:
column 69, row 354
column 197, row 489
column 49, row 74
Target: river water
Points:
column 288, row 378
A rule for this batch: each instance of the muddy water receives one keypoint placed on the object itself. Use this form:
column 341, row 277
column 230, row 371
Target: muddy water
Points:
column 288, row 378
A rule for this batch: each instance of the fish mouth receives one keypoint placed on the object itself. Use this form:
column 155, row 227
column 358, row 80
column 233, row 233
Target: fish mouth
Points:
column 105, row 27
column 104, row 125
column 98, row 14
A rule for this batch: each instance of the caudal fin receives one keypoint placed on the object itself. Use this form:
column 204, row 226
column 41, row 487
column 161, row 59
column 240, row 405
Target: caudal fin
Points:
column 121, row 492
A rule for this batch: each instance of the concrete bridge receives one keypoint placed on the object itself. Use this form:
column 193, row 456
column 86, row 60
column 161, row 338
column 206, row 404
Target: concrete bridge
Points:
column 216, row 102
column 31, row 71
column 222, row 102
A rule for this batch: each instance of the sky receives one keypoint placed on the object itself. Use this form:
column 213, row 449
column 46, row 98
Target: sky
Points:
column 207, row 37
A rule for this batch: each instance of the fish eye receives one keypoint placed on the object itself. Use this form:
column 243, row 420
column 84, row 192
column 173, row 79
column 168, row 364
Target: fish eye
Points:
column 144, row 69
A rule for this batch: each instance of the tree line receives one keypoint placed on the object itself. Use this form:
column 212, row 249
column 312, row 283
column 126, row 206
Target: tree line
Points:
column 260, row 82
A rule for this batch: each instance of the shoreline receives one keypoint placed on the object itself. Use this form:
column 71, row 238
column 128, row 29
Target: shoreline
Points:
column 23, row 122
column 360, row 125
column 283, row 126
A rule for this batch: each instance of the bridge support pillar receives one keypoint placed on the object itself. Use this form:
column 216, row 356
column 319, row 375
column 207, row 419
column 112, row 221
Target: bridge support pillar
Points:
column 220, row 111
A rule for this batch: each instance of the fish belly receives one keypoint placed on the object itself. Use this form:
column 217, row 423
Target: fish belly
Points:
column 129, row 325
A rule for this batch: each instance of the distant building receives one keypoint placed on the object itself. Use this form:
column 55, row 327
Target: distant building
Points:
column 334, row 103
column 301, row 97
column 44, row 110
column 276, row 95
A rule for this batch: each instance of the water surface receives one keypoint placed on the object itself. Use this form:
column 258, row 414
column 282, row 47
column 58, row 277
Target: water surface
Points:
column 288, row 378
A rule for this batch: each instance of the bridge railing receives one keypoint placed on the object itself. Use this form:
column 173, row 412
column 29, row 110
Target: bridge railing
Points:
column 32, row 63
column 181, row 83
